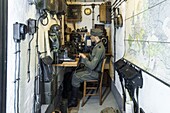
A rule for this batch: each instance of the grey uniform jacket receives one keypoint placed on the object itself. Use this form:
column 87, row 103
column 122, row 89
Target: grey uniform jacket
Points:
column 94, row 62
column 93, row 65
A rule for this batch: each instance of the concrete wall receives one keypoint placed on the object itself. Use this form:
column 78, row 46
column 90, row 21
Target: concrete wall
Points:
column 20, row 11
column 87, row 19
column 154, row 96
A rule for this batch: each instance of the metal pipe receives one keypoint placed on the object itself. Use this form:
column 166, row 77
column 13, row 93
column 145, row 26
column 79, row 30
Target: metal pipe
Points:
column 93, row 6
column 114, row 3
column 120, row 3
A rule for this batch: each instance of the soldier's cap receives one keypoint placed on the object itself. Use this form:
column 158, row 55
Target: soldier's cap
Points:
column 96, row 32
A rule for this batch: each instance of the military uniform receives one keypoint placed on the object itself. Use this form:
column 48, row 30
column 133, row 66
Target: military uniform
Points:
column 93, row 65
column 91, row 70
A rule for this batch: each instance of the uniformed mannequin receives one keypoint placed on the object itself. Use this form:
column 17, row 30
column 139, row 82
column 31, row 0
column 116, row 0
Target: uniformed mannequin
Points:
column 93, row 65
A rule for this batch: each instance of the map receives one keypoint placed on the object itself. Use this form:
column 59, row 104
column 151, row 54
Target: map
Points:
column 147, row 41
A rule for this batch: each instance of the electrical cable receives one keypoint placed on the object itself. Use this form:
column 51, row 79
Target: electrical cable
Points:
column 36, row 46
column 45, row 23
column 16, row 77
column 36, row 98
column 113, row 13
column 34, row 86
column 114, row 3
column 118, row 3
column 29, row 55
column 114, row 49
column 36, row 51
column 44, row 16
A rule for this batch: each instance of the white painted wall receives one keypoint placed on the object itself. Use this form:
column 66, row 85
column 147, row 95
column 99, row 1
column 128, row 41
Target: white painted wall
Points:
column 87, row 19
column 154, row 96
column 20, row 11
column 119, row 42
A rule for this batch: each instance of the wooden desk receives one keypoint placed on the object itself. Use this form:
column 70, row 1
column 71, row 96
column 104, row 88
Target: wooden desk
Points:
column 68, row 64
column 74, row 64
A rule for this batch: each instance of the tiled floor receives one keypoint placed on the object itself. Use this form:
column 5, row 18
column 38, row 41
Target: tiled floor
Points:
column 92, row 105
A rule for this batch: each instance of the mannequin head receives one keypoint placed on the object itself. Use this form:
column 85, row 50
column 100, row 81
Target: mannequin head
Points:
column 96, row 34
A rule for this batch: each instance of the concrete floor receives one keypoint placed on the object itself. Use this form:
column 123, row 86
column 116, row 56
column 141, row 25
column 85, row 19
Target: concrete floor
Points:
column 92, row 105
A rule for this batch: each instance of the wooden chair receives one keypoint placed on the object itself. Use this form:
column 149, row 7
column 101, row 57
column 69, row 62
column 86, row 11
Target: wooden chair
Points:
column 95, row 85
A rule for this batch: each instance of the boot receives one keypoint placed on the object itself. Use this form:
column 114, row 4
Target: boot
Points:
column 74, row 97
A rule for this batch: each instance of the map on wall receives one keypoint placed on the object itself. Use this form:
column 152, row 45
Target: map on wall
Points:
column 147, row 39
